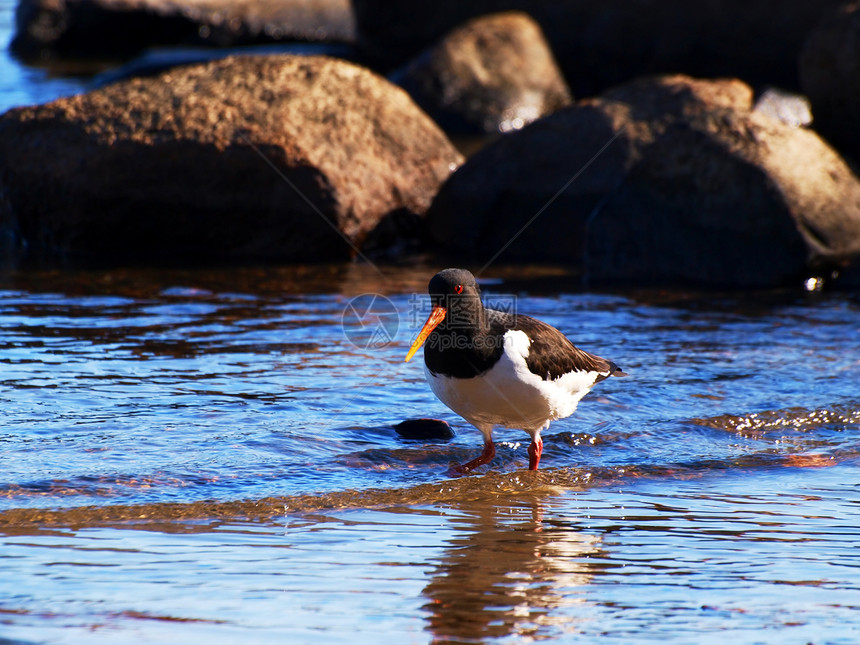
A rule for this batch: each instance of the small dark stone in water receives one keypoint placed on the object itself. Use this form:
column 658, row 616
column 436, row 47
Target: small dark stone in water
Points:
column 425, row 429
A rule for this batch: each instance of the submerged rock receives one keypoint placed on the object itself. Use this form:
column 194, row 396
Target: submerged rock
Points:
column 664, row 180
column 270, row 158
column 494, row 74
column 425, row 429
column 123, row 27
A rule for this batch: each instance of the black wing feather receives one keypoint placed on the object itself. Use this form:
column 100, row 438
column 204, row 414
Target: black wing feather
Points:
column 551, row 354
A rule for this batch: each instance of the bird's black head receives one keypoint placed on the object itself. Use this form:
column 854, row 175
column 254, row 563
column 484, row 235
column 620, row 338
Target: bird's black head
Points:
column 453, row 283
column 457, row 308
column 457, row 291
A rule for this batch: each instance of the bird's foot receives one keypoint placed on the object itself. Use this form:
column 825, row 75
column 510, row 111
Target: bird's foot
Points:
column 535, row 451
column 458, row 470
column 485, row 457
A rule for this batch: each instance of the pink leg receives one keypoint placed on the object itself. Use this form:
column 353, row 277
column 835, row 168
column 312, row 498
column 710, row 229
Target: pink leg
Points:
column 486, row 455
column 535, row 451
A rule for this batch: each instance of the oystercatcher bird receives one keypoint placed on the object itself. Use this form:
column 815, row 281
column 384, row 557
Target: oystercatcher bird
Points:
column 495, row 368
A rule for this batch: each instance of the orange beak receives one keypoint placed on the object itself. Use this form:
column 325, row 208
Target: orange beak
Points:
column 436, row 316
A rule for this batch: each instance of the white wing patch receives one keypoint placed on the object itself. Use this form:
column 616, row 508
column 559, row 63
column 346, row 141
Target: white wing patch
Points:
column 510, row 395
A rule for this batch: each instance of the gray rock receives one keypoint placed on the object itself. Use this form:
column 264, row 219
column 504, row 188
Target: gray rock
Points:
column 494, row 74
column 271, row 158
column 792, row 109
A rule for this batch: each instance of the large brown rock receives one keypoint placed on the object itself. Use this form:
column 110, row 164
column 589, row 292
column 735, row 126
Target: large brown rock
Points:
column 601, row 44
column 830, row 76
column 664, row 180
column 124, row 27
column 494, row 74
column 272, row 158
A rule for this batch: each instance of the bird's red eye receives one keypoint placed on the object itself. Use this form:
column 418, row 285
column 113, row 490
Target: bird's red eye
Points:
column 458, row 289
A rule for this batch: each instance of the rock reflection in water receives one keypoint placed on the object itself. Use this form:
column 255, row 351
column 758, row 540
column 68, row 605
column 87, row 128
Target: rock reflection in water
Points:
column 507, row 572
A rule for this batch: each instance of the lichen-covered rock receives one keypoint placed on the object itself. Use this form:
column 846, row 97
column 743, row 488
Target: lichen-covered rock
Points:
column 272, row 158
column 494, row 74
column 664, row 180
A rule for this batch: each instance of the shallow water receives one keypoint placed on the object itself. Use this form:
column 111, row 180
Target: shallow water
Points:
column 232, row 431
column 675, row 561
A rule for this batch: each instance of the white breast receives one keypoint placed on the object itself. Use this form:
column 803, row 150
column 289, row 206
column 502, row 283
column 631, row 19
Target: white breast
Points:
column 509, row 395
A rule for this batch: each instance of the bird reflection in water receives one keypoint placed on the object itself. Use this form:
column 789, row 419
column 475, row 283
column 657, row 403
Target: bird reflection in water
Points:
column 508, row 572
